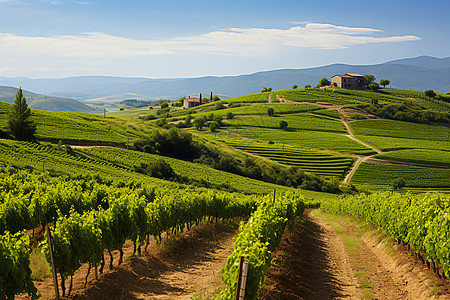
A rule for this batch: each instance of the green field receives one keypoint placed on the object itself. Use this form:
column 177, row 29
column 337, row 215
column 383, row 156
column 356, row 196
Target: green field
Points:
column 295, row 121
column 423, row 156
column 399, row 129
column 319, row 163
column 416, row 178
column 389, row 143
column 305, row 139
column 79, row 128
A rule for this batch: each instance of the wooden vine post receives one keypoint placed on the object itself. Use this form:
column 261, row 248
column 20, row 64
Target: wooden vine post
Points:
column 50, row 248
column 242, row 279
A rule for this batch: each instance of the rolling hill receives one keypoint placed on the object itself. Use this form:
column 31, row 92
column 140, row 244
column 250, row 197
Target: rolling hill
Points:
column 418, row 73
column 43, row 102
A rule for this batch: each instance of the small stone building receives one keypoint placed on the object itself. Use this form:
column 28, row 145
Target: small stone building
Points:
column 348, row 81
column 191, row 102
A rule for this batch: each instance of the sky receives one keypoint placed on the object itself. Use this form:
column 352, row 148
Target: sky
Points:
column 194, row 38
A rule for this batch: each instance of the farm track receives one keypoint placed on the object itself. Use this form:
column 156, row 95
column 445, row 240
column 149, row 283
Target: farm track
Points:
column 314, row 261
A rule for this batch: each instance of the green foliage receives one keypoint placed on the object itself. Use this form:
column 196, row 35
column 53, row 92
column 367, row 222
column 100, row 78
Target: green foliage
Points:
column 164, row 105
column 270, row 112
column 295, row 86
column 257, row 239
column 430, row 93
column 283, row 124
column 421, row 220
column 374, row 86
column 199, row 122
column 15, row 272
column 159, row 169
column 19, row 122
column 308, row 86
column 368, row 79
column 173, row 142
column 384, row 82
column 324, row 81
column 265, row 89
column 398, row 183
column 215, row 98
column 230, row 115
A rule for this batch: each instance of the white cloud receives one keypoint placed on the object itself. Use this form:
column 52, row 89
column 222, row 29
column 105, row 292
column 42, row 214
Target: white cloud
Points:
column 232, row 41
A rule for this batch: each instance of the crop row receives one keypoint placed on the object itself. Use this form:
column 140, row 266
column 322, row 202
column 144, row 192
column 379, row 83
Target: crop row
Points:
column 257, row 239
column 414, row 177
column 422, row 221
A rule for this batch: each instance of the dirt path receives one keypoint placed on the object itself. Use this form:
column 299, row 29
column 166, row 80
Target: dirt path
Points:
column 311, row 263
column 325, row 257
column 187, row 267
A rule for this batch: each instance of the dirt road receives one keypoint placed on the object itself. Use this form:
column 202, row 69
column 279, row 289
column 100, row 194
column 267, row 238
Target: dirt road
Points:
column 327, row 257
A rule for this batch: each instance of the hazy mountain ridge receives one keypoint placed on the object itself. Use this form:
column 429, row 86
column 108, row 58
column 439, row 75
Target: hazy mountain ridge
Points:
column 43, row 102
column 418, row 73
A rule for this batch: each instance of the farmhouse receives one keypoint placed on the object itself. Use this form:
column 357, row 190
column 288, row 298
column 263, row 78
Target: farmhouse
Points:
column 190, row 102
column 348, row 81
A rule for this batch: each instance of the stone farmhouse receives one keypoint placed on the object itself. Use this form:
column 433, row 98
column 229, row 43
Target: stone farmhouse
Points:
column 348, row 81
column 191, row 102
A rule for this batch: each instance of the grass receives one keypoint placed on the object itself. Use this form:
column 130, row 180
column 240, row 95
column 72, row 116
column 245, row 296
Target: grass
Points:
column 79, row 128
column 423, row 156
column 40, row 269
column 390, row 143
column 399, row 129
column 295, row 121
column 305, row 139
column 415, row 177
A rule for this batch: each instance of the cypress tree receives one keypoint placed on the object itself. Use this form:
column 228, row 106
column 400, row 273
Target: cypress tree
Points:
column 210, row 98
column 19, row 124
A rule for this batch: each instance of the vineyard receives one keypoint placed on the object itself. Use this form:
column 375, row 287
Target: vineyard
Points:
column 421, row 221
column 95, row 200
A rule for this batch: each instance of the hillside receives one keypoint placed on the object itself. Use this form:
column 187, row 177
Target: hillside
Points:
column 43, row 102
column 153, row 205
column 333, row 133
column 419, row 73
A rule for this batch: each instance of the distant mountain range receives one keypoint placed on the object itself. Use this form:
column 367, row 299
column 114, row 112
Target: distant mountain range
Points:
column 43, row 102
column 419, row 73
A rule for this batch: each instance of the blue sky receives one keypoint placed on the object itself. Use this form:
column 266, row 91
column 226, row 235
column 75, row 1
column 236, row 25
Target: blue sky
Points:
column 61, row 38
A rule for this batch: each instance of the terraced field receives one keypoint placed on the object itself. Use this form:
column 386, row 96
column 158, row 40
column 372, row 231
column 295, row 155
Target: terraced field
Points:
column 305, row 139
column 399, row 129
column 295, row 121
column 422, row 156
column 380, row 176
column 309, row 160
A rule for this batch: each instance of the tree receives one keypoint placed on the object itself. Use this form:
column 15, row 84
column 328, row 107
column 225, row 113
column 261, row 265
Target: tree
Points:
column 283, row 124
column 270, row 112
column 324, row 82
column 265, row 89
column 215, row 98
column 430, row 93
column 19, row 124
column 230, row 115
column 374, row 86
column 384, row 82
column 295, row 86
column 307, row 86
column 164, row 105
column 398, row 183
column 368, row 79
column 199, row 122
